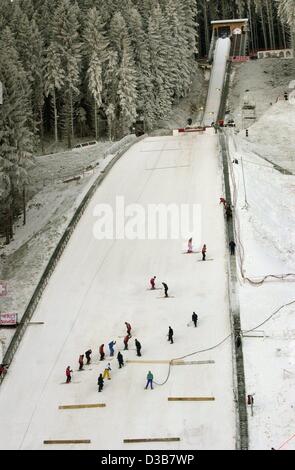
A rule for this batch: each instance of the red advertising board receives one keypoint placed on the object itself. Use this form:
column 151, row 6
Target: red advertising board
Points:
column 240, row 58
column 8, row 319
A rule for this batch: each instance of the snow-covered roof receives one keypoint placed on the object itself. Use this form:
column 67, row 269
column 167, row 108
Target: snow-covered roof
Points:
column 241, row 20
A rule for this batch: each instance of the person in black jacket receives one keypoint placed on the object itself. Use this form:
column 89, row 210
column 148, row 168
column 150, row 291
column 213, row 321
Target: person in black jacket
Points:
column 88, row 356
column 120, row 360
column 195, row 319
column 228, row 213
column 138, row 347
column 232, row 247
column 170, row 335
column 165, row 288
column 100, row 383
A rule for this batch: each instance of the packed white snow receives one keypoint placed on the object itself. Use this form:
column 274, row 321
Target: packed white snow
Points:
column 98, row 285
column 221, row 56
column 266, row 217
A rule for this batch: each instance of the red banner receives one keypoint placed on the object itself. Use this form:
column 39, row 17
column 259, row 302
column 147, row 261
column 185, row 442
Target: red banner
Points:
column 8, row 319
column 240, row 58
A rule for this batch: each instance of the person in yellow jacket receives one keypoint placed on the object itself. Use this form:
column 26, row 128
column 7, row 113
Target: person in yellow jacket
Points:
column 106, row 373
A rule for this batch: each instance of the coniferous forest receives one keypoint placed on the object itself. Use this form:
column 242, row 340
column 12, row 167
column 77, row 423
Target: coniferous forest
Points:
column 78, row 68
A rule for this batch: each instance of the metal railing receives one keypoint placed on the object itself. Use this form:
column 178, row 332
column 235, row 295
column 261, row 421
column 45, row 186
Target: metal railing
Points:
column 239, row 379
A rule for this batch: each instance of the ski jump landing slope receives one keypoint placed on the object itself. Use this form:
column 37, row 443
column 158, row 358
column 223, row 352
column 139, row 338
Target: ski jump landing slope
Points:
column 97, row 286
column 221, row 55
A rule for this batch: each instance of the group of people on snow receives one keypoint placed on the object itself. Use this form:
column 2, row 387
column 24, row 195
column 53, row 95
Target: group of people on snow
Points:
column 111, row 344
column 106, row 372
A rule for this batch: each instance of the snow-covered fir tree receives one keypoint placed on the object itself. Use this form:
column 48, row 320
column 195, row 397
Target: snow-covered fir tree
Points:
column 15, row 136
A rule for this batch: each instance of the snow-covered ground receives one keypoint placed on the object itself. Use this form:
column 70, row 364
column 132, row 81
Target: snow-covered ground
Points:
column 267, row 236
column 98, row 285
column 273, row 137
column 272, row 134
column 50, row 208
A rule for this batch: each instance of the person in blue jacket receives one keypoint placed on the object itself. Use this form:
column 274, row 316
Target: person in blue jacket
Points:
column 111, row 347
column 150, row 379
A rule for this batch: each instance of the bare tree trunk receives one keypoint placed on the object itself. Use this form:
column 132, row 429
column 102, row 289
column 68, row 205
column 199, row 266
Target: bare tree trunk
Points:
column 263, row 28
column 24, row 206
column 72, row 114
column 270, row 24
column 41, row 129
column 284, row 36
column 95, row 119
column 207, row 37
column 251, row 26
column 7, row 231
column 55, row 117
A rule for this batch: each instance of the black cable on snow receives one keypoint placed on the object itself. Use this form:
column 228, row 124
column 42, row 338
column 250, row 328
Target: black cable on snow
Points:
column 241, row 250
column 221, row 342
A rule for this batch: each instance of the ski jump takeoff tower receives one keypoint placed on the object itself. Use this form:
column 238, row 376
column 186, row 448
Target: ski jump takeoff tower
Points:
column 229, row 43
column 238, row 32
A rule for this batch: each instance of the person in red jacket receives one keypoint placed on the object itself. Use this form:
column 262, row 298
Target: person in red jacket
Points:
column 190, row 246
column 3, row 369
column 128, row 326
column 126, row 339
column 153, row 282
column 222, row 201
column 68, row 374
column 101, row 352
column 204, row 251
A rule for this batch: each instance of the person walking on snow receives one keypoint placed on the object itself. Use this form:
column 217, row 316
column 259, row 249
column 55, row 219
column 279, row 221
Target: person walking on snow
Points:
column 120, row 360
column 153, row 282
column 190, row 246
column 204, row 251
column 111, row 347
column 138, row 347
column 100, row 382
column 81, row 361
column 232, row 247
column 222, row 201
column 195, row 319
column 106, row 372
column 68, row 374
column 88, row 356
column 170, row 335
column 228, row 213
column 150, row 379
column 126, row 339
column 101, row 352
column 128, row 326
column 165, row 288
column 3, row 369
